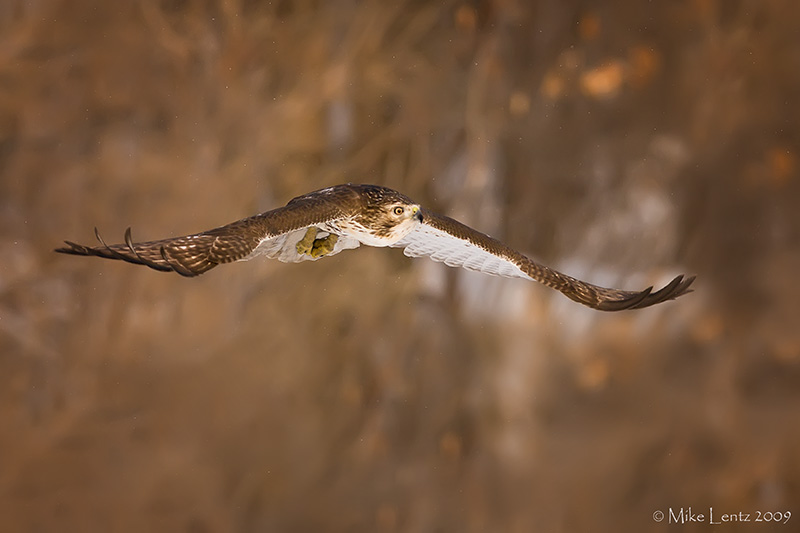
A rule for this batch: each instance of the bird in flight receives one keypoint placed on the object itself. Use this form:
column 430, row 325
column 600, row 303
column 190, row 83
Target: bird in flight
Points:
column 327, row 221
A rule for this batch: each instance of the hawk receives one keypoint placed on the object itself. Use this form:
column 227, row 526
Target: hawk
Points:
column 325, row 222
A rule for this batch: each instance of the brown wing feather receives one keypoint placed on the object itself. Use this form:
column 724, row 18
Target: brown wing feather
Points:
column 192, row 255
column 189, row 255
column 594, row 296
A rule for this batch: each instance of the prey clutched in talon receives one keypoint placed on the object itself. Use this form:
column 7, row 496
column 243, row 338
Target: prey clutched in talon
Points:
column 311, row 246
column 305, row 245
column 324, row 246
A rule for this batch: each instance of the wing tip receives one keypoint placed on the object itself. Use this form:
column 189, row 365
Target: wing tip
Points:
column 127, row 252
column 679, row 286
column 71, row 248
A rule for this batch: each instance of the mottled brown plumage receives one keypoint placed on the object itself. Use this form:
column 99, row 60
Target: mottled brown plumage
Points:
column 327, row 221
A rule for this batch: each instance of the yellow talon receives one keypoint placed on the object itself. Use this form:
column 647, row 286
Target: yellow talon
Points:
column 305, row 245
column 324, row 246
column 310, row 245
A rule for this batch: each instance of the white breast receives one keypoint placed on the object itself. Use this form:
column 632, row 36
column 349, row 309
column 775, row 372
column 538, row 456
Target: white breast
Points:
column 354, row 230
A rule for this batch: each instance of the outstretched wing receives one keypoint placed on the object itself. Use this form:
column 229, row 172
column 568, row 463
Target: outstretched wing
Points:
column 273, row 234
column 451, row 242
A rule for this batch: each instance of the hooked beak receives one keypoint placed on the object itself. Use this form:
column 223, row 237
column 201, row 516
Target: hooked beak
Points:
column 416, row 212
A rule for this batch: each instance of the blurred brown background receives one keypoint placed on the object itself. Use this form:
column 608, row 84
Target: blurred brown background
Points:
column 370, row 392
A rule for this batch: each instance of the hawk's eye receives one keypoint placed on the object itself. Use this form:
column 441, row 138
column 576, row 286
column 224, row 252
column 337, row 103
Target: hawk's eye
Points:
column 398, row 210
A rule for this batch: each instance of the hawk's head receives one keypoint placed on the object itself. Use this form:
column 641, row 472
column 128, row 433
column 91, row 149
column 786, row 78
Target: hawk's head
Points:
column 385, row 216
